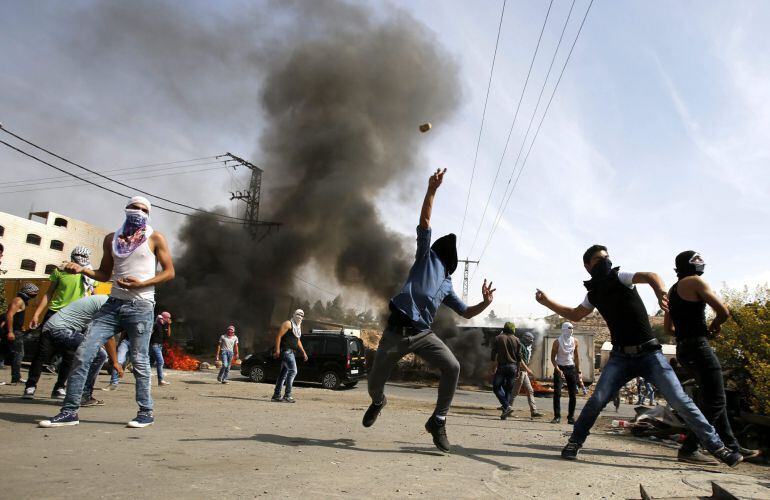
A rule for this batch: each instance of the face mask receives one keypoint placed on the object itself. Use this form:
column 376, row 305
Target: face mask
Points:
column 689, row 263
column 601, row 268
column 136, row 217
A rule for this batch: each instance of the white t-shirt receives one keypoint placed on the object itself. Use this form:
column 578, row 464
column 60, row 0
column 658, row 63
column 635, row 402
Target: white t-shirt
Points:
column 625, row 277
column 227, row 343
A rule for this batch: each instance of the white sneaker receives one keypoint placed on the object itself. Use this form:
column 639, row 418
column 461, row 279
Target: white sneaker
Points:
column 29, row 393
column 59, row 393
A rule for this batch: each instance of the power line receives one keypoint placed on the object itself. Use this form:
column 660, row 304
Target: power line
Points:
column 112, row 180
column 160, row 207
column 481, row 129
column 513, row 123
column 314, row 285
column 79, row 184
column 119, row 172
column 537, row 131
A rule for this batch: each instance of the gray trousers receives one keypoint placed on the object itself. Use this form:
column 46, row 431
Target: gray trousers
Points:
column 426, row 345
column 523, row 379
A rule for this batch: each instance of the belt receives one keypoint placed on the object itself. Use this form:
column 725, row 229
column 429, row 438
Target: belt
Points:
column 404, row 331
column 650, row 345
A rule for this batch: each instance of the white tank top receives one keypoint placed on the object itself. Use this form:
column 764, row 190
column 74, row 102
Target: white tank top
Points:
column 142, row 265
column 565, row 354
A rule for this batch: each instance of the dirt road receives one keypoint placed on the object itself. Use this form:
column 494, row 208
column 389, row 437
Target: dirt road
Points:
column 213, row 440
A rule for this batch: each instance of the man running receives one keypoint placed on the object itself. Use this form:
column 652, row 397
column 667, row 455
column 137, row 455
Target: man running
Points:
column 14, row 324
column 565, row 358
column 287, row 344
column 635, row 351
column 131, row 255
column 412, row 312
column 686, row 319
column 527, row 339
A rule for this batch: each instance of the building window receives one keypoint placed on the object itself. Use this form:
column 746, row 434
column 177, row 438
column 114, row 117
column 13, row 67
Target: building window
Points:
column 28, row 265
column 2, row 230
column 57, row 245
column 50, row 268
column 33, row 239
column 60, row 222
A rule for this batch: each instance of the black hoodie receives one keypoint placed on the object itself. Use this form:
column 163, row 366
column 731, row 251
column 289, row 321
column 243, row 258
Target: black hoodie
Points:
column 446, row 250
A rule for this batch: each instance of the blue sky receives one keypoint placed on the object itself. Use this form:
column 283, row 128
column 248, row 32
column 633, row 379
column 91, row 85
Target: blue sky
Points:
column 656, row 141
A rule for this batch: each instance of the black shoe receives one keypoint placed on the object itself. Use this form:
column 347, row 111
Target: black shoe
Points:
column 728, row 456
column 370, row 417
column 506, row 413
column 556, row 420
column 275, row 399
column 748, row 453
column 695, row 457
column 535, row 414
column 570, row 420
column 570, row 451
column 437, row 428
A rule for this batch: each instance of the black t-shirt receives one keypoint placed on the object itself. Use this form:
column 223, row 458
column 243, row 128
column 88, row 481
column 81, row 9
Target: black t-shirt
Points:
column 159, row 331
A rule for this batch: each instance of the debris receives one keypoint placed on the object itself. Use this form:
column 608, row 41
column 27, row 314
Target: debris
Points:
column 425, row 127
column 717, row 493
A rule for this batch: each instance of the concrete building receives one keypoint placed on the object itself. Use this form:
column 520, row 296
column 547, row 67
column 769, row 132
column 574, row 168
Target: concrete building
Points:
column 34, row 246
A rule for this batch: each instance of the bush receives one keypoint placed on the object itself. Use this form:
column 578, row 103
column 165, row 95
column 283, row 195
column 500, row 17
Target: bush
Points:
column 743, row 346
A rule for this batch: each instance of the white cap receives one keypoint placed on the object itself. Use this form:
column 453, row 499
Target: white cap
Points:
column 141, row 200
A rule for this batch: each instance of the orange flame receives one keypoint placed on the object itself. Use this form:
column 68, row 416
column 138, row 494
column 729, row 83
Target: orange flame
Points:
column 176, row 359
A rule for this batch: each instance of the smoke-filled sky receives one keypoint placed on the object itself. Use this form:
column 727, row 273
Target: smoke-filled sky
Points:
column 655, row 142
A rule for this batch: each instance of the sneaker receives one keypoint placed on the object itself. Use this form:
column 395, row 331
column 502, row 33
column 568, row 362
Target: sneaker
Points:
column 506, row 413
column 142, row 419
column 570, row 451
column 728, row 456
column 696, row 457
column 276, row 399
column 500, row 408
column 59, row 393
column 535, row 414
column 219, row 379
column 289, row 399
column 748, row 453
column 437, row 429
column 29, row 393
column 63, row 419
column 556, row 420
column 571, row 420
column 92, row 401
column 163, row 383
column 370, row 417
column 225, row 381
column 110, row 387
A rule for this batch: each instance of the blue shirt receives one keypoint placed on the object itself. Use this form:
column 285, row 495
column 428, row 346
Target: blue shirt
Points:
column 427, row 287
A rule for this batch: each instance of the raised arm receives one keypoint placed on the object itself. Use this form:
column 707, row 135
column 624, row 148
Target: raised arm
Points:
column 571, row 313
column 427, row 203
column 487, row 293
column 104, row 273
column 656, row 282
column 44, row 300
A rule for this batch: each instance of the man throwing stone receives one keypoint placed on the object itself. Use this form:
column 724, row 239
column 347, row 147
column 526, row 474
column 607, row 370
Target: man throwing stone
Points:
column 131, row 255
column 412, row 312
column 635, row 351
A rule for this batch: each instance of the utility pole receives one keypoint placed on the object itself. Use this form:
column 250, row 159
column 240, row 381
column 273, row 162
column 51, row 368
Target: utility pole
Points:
column 252, row 198
column 465, row 278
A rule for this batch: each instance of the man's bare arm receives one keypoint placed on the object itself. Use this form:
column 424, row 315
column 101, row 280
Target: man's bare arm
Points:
column 657, row 284
column 281, row 332
column 571, row 313
column 577, row 355
column 44, row 300
column 554, row 351
column 668, row 325
column 488, row 294
column 15, row 306
column 427, row 203
column 706, row 294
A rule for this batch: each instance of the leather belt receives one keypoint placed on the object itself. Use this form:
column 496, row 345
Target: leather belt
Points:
column 650, row 345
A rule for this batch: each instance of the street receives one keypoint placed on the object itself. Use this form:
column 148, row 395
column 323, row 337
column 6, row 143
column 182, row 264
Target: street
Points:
column 220, row 440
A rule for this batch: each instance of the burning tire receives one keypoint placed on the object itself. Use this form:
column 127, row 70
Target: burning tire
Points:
column 330, row 380
column 257, row 374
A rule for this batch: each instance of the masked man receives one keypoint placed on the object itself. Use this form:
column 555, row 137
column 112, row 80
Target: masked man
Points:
column 287, row 345
column 131, row 256
column 412, row 312
column 686, row 319
column 635, row 351
column 565, row 357
column 14, row 324
column 65, row 288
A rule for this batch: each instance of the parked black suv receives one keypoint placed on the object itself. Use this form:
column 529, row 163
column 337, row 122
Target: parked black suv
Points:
column 334, row 359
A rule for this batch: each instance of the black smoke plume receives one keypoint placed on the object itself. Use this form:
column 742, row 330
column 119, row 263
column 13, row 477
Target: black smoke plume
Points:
column 342, row 98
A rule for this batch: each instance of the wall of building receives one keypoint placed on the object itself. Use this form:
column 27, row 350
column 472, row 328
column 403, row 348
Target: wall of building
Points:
column 50, row 227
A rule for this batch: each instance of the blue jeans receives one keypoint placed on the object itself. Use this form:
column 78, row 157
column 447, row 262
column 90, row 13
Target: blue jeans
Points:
column 644, row 390
column 156, row 353
column 502, row 384
column 227, row 358
column 653, row 367
column 134, row 317
column 93, row 373
column 288, row 372
column 123, row 349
